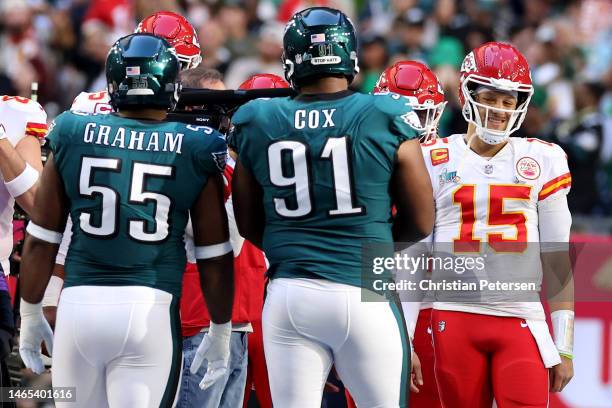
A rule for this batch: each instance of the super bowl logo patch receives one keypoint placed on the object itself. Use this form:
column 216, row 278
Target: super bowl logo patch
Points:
column 439, row 156
column 448, row 177
column 528, row 168
column 220, row 159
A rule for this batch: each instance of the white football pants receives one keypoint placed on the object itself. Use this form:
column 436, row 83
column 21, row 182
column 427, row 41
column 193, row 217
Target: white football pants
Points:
column 119, row 346
column 310, row 324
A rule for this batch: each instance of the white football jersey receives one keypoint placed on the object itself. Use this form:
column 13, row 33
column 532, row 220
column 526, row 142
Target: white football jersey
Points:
column 21, row 117
column 488, row 208
column 92, row 102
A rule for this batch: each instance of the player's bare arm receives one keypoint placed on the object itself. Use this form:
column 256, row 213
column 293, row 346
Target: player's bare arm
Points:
column 20, row 167
column 215, row 258
column 248, row 205
column 210, row 230
column 560, row 290
column 50, row 212
column 554, row 222
column 40, row 249
column 413, row 195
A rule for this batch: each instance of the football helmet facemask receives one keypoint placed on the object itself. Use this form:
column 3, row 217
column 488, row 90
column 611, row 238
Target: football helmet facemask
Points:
column 502, row 68
column 420, row 85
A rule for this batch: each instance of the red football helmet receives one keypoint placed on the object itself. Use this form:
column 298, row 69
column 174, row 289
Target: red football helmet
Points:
column 264, row 81
column 420, row 85
column 178, row 32
column 499, row 67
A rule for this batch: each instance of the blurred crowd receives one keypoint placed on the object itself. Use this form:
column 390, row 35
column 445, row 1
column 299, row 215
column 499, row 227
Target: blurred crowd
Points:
column 62, row 45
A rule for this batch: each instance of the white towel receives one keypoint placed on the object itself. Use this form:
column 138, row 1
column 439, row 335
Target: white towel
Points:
column 548, row 350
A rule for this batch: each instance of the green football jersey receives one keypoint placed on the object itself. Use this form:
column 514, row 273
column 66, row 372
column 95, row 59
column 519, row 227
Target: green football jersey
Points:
column 130, row 184
column 325, row 164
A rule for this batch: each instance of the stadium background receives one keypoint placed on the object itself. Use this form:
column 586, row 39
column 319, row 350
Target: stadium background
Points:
column 62, row 45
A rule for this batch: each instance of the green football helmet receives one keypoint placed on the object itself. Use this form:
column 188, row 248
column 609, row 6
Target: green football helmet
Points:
column 142, row 72
column 319, row 41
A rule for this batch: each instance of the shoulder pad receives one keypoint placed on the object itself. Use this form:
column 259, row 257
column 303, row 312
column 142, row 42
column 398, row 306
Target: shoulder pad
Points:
column 204, row 135
column 92, row 102
column 439, row 150
column 53, row 138
column 392, row 104
column 20, row 104
column 22, row 117
column 246, row 112
column 543, row 147
column 59, row 119
column 206, row 130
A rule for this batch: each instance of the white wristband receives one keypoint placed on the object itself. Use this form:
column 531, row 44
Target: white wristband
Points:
column 563, row 331
column 212, row 251
column 52, row 293
column 29, row 309
column 44, row 234
column 23, row 182
column 221, row 330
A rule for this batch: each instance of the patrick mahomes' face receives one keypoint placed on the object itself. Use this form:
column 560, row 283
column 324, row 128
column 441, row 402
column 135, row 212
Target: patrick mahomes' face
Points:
column 497, row 119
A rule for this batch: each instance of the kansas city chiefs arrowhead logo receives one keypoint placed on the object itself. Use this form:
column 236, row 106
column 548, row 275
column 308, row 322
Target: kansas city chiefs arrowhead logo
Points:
column 469, row 63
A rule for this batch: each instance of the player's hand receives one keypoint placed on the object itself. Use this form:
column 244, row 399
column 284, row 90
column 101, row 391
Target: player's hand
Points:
column 215, row 348
column 34, row 330
column 416, row 376
column 561, row 374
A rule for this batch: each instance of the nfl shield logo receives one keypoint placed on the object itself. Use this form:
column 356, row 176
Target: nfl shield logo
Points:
column 441, row 325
